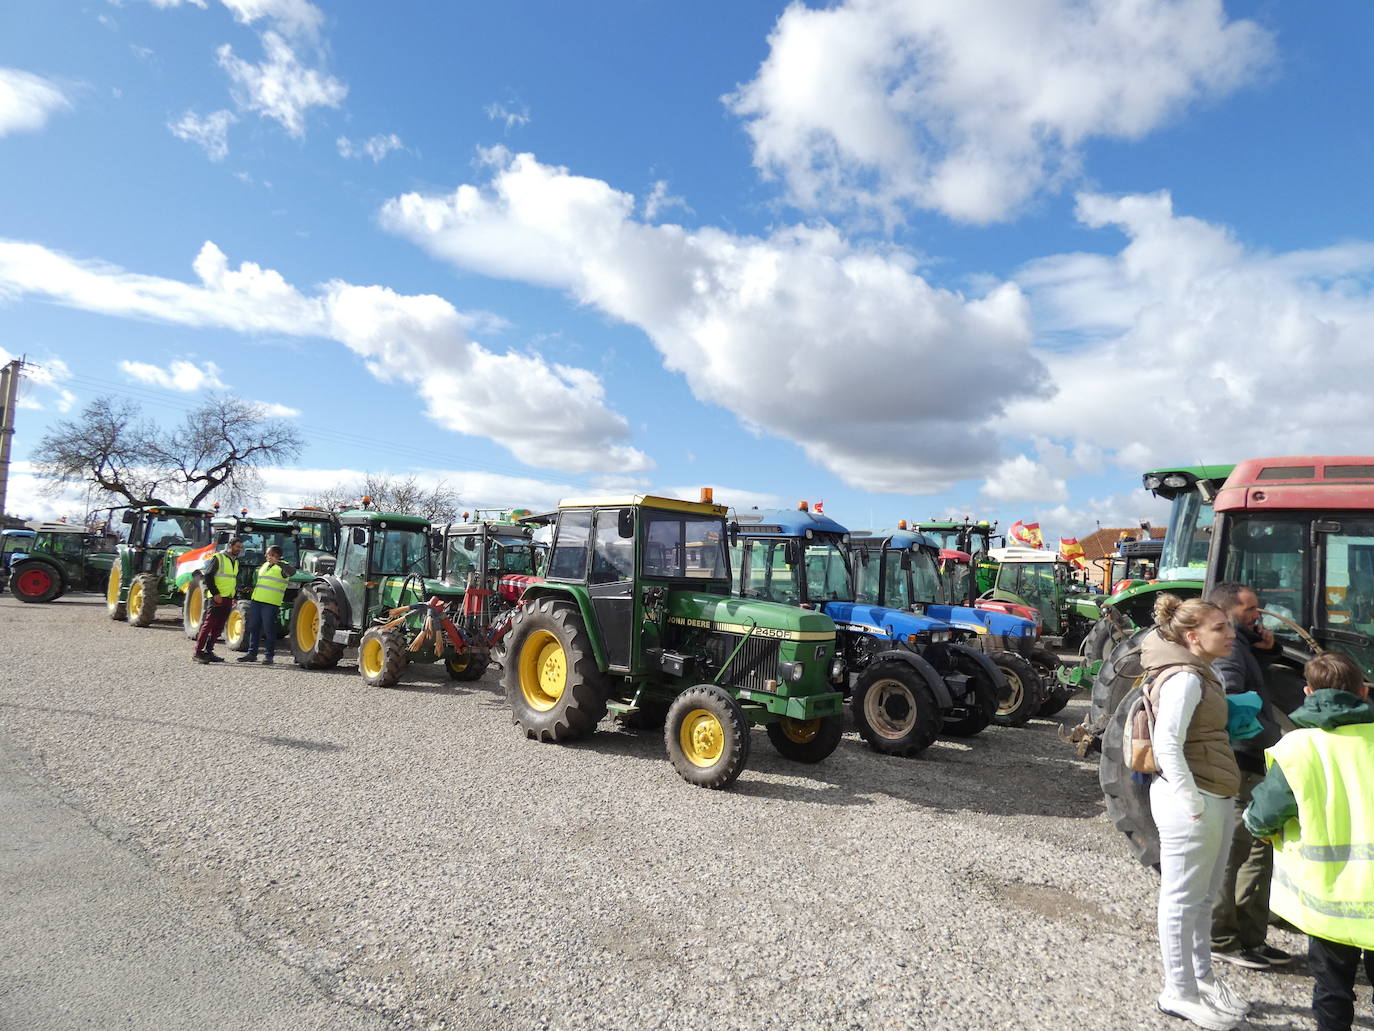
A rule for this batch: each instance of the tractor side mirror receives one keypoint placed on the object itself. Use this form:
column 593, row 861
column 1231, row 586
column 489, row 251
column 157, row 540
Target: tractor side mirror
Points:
column 863, row 556
column 733, row 531
column 906, row 561
column 625, row 523
column 469, row 543
column 791, row 551
column 359, row 535
column 436, row 540
column 129, row 516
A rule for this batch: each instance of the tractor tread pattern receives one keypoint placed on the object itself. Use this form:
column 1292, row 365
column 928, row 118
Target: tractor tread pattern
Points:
column 151, row 584
column 326, row 652
column 583, row 704
column 1032, row 694
column 393, row 657
column 927, row 725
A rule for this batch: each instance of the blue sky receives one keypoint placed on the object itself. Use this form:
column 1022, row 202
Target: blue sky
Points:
column 908, row 258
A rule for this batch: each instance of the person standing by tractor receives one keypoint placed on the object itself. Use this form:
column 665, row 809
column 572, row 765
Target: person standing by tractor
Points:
column 220, row 574
column 1316, row 805
column 1240, row 918
column 1192, row 800
column 269, row 587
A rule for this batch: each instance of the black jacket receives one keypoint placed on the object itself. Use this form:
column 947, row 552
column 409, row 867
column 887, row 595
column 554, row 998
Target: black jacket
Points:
column 1241, row 671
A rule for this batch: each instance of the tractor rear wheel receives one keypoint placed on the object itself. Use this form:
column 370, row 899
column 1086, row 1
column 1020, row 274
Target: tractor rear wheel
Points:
column 1128, row 801
column 894, row 709
column 467, row 666
column 1026, row 697
column 143, row 593
column 35, row 581
column 236, row 626
column 806, row 741
column 981, row 700
column 113, row 605
column 707, row 736
column 381, row 657
column 314, row 619
column 193, row 606
column 1057, row 695
column 555, row 690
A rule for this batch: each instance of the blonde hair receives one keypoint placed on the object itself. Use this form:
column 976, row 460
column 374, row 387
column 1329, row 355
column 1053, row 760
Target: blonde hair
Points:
column 1174, row 617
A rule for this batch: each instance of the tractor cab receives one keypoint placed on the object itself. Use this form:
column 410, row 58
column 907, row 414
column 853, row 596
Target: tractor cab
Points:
column 144, row 573
column 57, row 558
column 317, row 536
column 1135, row 564
column 975, row 538
column 1044, row 580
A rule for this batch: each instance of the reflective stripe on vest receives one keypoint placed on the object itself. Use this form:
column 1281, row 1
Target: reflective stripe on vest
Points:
column 270, row 584
column 1324, row 863
column 226, row 575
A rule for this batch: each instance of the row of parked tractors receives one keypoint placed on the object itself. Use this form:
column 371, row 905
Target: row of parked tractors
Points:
column 662, row 612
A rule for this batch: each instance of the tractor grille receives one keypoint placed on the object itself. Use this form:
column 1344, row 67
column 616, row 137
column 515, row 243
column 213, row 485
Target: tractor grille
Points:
column 756, row 662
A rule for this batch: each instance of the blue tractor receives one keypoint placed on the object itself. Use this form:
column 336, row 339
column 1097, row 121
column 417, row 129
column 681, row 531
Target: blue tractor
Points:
column 900, row 569
column 908, row 675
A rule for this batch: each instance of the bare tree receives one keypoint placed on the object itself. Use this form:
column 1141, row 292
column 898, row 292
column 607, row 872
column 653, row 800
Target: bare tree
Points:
column 110, row 445
column 437, row 503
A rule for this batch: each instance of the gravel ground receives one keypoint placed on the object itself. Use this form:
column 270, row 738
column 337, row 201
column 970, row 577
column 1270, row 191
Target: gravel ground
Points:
column 413, row 855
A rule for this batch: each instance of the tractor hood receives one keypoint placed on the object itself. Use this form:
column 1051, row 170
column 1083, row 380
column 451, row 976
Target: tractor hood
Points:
column 876, row 619
column 767, row 618
column 983, row 621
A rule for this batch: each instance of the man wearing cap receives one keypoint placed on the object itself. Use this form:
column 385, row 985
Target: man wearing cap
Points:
column 220, row 575
column 269, row 587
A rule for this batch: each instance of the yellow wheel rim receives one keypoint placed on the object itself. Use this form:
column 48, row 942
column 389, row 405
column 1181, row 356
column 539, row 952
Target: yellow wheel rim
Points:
column 702, row 737
column 458, row 663
column 801, row 732
column 1018, row 693
column 233, row 627
column 307, row 625
column 370, row 657
column 543, row 670
column 112, row 589
column 196, row 606
column 135, row 597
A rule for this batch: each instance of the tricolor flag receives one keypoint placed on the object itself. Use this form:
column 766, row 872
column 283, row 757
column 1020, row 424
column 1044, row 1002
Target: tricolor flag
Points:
column 188, row 563
column 1027, row 534
column 1073, row 552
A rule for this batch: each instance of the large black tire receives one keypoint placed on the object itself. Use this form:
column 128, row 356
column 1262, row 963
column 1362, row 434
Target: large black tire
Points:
column 894, row 708
column 707, row 736
column 35, row 581
column 236, row 626
column 806, row 741
column 314, row 619
column 1057, row 694
column 1128, row 802
column 142, row 601
column 116, row 608
column 1026, row 697
column 1100, row 640
column 193, row 606
column 982, row 705
column 468, row 666
column 381, row 657
column 555, row 690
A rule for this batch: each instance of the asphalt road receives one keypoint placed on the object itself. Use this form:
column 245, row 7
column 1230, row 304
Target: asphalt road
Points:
column 237, row 846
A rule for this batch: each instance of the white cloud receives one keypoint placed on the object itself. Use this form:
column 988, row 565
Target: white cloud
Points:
column 1021, row 479
column 41, row 383
column 210, row 133
column 513, row 116
column 375, row 147
column 844, row 350
column 1187, row 346
column 293, row 17
column 26, row 499
column 1085, row 517
column 166, row 4
column 551, row 416
column 969, row 107
column 276, row 410
column 27, row 101
column 660, row 200
column 180, row 375
column 280, row 87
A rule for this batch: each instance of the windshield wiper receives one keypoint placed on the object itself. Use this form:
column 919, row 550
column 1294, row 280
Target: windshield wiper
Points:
column 1354, row 637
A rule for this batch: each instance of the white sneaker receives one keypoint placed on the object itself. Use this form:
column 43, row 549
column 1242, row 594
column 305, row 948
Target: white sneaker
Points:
column 1219, row 995
column 1198, row 1011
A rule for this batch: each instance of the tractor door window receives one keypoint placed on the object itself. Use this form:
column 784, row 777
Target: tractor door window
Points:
column 400, row 552
column 460, row 561
column 769, row 575
column 613, row 556
column 897, row 590
column 1348, row 584
column 866, row 574
column 925, row 577
column 354, row 560
column 1270, row 555
column 569, row 558
column 516, row 557
column 827, row 574
column 682, row 545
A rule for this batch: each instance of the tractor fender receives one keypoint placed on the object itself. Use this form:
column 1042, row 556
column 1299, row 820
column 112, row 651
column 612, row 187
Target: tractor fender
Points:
column 989, row 667
column 336, row 585
column 929, row 673
column 578, row 596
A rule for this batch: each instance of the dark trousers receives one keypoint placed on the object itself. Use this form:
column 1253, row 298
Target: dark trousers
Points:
column 212, row 624
column 1240, row 915
column 1333, row 989
column 262, row 628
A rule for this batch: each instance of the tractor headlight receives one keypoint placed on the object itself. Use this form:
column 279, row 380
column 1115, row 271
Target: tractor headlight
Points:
column 837, row 669
column 791, row 671
column 938, row 636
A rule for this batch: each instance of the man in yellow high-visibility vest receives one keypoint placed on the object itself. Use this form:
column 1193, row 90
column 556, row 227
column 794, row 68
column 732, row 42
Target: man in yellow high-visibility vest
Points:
column 1317, row 806
column 269, row 587
column 220, row 577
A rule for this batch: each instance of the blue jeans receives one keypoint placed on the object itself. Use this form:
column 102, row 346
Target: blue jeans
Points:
column 262, row 628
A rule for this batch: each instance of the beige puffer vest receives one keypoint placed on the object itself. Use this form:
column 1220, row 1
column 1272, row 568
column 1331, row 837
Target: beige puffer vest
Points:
column 1206, row 746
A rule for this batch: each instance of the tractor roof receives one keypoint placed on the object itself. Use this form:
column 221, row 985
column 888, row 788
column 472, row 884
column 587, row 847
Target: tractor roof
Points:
column 250, row 524
column 173, row 510
column 1025, row 555
column 60, row 528
column 1140, row 549
column 951, row 555
column 491, row 526
column 647, row 501
column 1170, row 482
column 786, row 522
column 367, row 517
column 899, row 539
column 308, row 513
column 1302, row 481
column 955, row 524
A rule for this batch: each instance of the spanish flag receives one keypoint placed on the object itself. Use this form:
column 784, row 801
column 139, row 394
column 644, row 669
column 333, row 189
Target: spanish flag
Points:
column 188, row 563
column 1027, row 534
column 1073, row 552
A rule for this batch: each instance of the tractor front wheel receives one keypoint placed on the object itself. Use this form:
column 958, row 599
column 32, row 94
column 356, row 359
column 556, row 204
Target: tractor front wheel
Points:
column 35, row 582
column 806, row 741
column 381, row 657
column 193, row 606
column 143, row 595
column 113, row 605
column 980, row 701
column 555, row 690
column 314, row 619
column 707, row 736
column 1057, row 694
column 236, row 626
column 467, row 666
column 1026, row 697
column 895, row 709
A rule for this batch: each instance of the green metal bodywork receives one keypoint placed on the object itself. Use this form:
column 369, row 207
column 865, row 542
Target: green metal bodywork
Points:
column 79, row 559
column 143, row 553
column 974, row 537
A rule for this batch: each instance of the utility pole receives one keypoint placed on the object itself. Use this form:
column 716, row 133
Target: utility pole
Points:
column 9, row 393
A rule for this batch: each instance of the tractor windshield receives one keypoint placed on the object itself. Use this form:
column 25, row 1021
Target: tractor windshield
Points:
column 513, row 555
column 827, row 574
column 765, row 572
column 1187, row 538
column 318, row 536
column 954, row 588
column 947, row 538
column 400, row 551
column 681, row 544
column 925, row 577
column 65, row 544
column 256, row 543
column 168, row 529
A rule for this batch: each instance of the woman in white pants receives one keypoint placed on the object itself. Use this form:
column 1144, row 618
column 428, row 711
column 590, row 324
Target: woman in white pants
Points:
column 1192, row 800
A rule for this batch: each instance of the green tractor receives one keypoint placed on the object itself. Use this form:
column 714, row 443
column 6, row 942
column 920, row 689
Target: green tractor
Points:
column 257, row 535
column 379, row 593
column 317, row 538
column 975, row 539
column 59, row 558
column 635, row 617
column 144, row 572
column 1044, row 580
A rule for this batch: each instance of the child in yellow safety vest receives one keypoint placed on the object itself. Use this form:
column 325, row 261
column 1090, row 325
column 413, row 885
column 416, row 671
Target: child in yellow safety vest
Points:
column 269, row 587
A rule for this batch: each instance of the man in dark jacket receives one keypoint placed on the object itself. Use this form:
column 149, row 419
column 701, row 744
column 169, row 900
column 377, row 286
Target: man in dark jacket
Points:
column 1240, row 917
column 1315, row 805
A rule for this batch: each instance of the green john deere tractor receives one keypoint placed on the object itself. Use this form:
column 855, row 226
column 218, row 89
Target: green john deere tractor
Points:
column 317, row 537
column 144, row 573
column 257, row 535
column 379, row 593
column 975, row 538
column 1044, row 580
column 635, row 617
column 59, row 558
